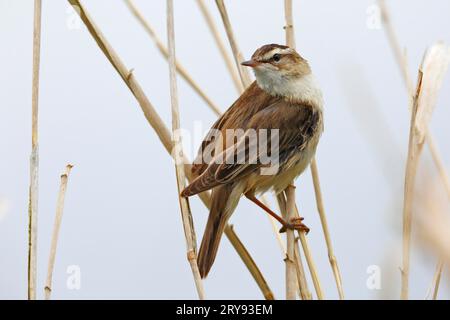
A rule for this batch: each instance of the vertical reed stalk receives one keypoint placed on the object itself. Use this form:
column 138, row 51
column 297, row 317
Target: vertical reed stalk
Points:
column 56, row 228
column 403, row 65
column 238, row 58
column 326, row 231
column 414, row 150
column 289, row 27
column 437, row 278
column 162, row 132
column 291, row 275
column 34, row 158
column 290, row 41
column 305, row 294
column 189, row 230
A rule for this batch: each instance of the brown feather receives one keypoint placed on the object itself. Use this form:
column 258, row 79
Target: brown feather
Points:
column 224, row 200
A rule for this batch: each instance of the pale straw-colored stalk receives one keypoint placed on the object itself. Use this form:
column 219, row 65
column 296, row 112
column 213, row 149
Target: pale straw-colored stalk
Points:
column 437, row 279
column 290, row 41
column 291, row 274
column 163, row 134
column 220, row 45
column 238, row 58
column 304, row 292
column 403, row 65
column 321, row 209
column 34, row 158
column 305, row 246
column 186, row 215
column 56, row 228
column 163, row 50
column 431, row 73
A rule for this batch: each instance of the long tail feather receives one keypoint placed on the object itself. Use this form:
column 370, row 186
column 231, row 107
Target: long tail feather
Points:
column 224, row 200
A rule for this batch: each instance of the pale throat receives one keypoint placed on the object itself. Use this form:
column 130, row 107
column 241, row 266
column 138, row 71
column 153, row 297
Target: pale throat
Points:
column 302, row 88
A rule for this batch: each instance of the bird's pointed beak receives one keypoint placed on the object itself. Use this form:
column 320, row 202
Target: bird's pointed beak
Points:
column 250, row 63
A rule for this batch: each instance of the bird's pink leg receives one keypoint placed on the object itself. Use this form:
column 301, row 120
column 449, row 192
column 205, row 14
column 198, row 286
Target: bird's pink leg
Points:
column 296, row 223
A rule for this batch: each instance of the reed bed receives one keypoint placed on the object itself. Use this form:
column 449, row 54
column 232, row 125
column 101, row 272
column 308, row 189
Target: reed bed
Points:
column 422, row 101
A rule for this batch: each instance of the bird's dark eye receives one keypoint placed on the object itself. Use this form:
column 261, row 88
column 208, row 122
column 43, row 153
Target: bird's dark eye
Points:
column 276, row 57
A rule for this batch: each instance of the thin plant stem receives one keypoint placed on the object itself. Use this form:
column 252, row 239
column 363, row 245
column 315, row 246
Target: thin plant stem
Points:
column 34, row 158
column 290, row 41
column 402, row 63
column 414, row 150
column 220, row 45
column 161, row 130
column 238, row 58
column 289, row 27
column 281, row 198
column 305, row 294
column 437, row 278
column 56, row 228
column 321, row 209
column 291, row 274
column 163, row 50
column 188, row 225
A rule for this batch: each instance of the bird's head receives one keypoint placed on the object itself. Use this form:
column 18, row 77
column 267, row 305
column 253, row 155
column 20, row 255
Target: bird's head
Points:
column 276, row 65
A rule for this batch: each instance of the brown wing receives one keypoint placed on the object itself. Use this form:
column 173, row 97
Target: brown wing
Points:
column 296, row 124
column 237, row 116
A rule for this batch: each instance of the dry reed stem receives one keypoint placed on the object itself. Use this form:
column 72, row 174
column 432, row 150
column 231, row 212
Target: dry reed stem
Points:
column 220, row 44
column 402, row 63
column 56, row 228
column 437, row 278
column 289, row 27
column 304, row 292
column 432, row 70
column 186, row 215
column 238, row 58
column 34, row 158
column 310, row 260
column 291, row 274
column 326, row 232
column 414, row 150
column 290, row 41
column 305, row 246
column 162, row 132
column 163, row 50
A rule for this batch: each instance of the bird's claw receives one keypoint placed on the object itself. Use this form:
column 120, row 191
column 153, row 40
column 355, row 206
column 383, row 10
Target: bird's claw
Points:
column 295, row 224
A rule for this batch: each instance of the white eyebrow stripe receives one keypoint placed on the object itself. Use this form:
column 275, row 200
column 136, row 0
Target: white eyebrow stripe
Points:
column 269, row 54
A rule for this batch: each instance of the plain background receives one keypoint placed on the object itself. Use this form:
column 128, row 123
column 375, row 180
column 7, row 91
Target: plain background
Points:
column 122, row 225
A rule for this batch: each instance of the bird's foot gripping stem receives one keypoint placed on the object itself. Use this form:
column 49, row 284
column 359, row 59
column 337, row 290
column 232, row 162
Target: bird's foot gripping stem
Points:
column 295, row 224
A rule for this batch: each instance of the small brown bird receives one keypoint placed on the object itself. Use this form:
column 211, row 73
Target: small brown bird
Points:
column 285, row 100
